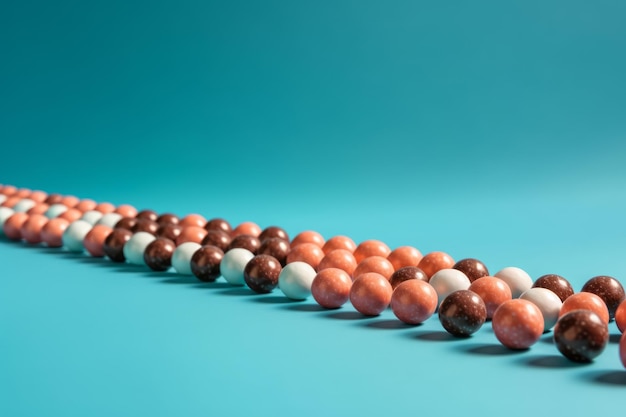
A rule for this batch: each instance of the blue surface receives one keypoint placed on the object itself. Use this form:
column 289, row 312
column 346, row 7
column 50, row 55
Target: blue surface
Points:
column 487, row 130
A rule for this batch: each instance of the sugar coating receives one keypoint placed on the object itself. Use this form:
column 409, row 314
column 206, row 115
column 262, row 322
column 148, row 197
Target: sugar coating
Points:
column 517, row 279
column 135, row 247
column 55, row 210
column 233, row 265
column 110, row 219
column 24, row 205
column 91, row 216
column 3, row 198
column 295, row 280
column 5, row 213
column 181, row 258
column 548, row 303
column 518, row 324
column 447, row 281
column 75, row 234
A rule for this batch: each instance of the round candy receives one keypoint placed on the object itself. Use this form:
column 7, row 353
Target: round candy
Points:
column 261, row 273
column 71, row 215
column 126, row 210
column 39, row 208
column 370, row 294
column 374, row 264
column 192, row 220
column 55, row 210
column 38, row 196
column 620, row 317
column 306, row 252
column 75, row 234
column 581, row 335
column 127, row 223
column 13, row 225
column 5, row 213
column 169, row 231
column 414, row 301
column 247, row 228
column 473, row 268
column 205, row 263
column 371, row 248
column 158, row 254
column 24, row 205
column 622, row 349
column 518, row 324
column 331, row 287
column 181, row 258
column 136, row 246
column 433, row 262
column 555, row 283
column 447, row 281
column 308, row 236
column 11, row 202
column 53, row 199
column 407, row 273
column 91, row 216
column 110, row 219
column 52, row 232
column 276, row 247
column 493, row 291
column 189, row 234
column 586, row 301
column 249, row 242
column 273, row 232
column 462, row 312
column 338, row 242
column 338, row 258
column 2, row 198
column 295, row 280
column 70, row 201
column 148, row 215
column 167, row 218
column 114, row 244
column 607, row 288
column 86, row 205
column 233, row 264
column 516, row 278
column 217, row 238
column 105, row 208
column 144, row 225
column 548, row 302
column 94, row 240
column 404, row 256
column 31, row 229
column 218, row 225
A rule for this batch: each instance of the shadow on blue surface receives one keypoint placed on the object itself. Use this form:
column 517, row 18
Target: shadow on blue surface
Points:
column 273, row 299
column 347, row 315
column 388, row 324
column 433, row 336
column 238, row 291
column 551, row 362
column 304, row 307
column 607, row 377
column 490, row 350
column 615, row 338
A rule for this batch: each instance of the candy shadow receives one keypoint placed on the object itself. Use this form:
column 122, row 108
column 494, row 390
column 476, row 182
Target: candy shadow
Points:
column 388, row 325
column 238, row 291
column 178, row 279
column 551, row 362
column 433, row 336
column 615, row 338
column 490, row 350
column 615, row 378
column 548, row 340
column 274, row 299
column 347, row 315
column 305, row 307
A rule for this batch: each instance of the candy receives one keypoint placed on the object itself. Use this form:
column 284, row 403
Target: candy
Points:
column 114, row 244
column 205, row 263
column 261, row 273
column 158, row 254
column 126, row 210
column 75, row 234
column 331, row 287
column 371, row 248
column 586, row 301
column 620, row 317
column 233, row 265
column 248, row 242
column 92, row 216
column 192, row 220
column 86, row 205
column 188, row 234
column 144, row 225
column 414, row 301
column 105, row 208
column 94, row 240
column 167, row 218
column 405, row 274
column 273, row 232
column 218, row 238
column 473, row 268
column 404, row 256
column 52, row 232
column 370, row 294
column 306, row 252
column 308, row 236
column 555, row 283
column 295, row 280
column 55, row 210
column 169, row 231
column 31, row 229
column 136, row 246
column 181, row 258
column 13, row 225
column 581, row 335
column 447, row 281
column 338, row 258
column 462, row 312
column 276, row 247
column 247, row 228
column 338, row 242
column 607, row 288
column 548, row 303
column 153, row 216
column 433, row 262
column 493, row 291
column 219, row 225
column 376, row 264
column 5, row 213
column 110, row 219
column 516, row 278
column 518, row 324
column 24, row 205
column 622, row 349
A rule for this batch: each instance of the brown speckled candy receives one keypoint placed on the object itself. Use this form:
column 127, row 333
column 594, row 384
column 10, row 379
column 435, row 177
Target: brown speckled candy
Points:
column 218, row 238
column 143, row 225
column 405, row 274
column 167, row 218
column 555, row 283
column 124, row 223
column 462, row 313
column 473, row 268
column 205, row 263
column 114, row 244
column 148, row 215
column 273, row 232
column 370, row 294
column 581, row 335
column 248, row 242
column 276, row 247
column 607, row 288
column 518, row 324
column 261, row 273
column 220, row 225
column 158, row 254
column 169, row 231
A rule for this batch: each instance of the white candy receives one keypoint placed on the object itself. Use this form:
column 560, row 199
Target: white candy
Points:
column 55, row 210
column 135, row 247
column 295, row 280
column 181, row 258
column 92, row 216
column 548, row 302
column 110, row 219
column 24, row 205
column 233, row 264
column 3, row 198
column 5, row 213
column 75, row 234
column 447, row 281
column 517, row 279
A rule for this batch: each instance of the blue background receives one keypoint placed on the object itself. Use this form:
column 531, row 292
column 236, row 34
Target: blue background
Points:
column 486, row 130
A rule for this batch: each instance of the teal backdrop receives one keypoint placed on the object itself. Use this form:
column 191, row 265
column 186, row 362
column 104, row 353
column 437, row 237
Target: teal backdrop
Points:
column 485, row 129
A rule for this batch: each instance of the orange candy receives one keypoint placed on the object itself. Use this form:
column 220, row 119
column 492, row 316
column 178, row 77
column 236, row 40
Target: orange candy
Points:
column 39, row 208
column 331, row 288
column 86, row 205
column 493, row 291
column 31, row 229
column 191, row 234
column 52, row 232
column 23, row 193
column 11, row 202
column 586, row 301
column 620, row 317
column 71, row 215
column 105, row 208
column 339, row 242
column 9, row 190
column 126, row 210
column 247, row 228
column 434, row 262
column 94, row 240
column 13, row 226
column 371, row 248
column 306, row 252
column 38, row 196
column 339, row 258
column 404, row 256
column 308, row 236
column 376, row 264
column 70, row 201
